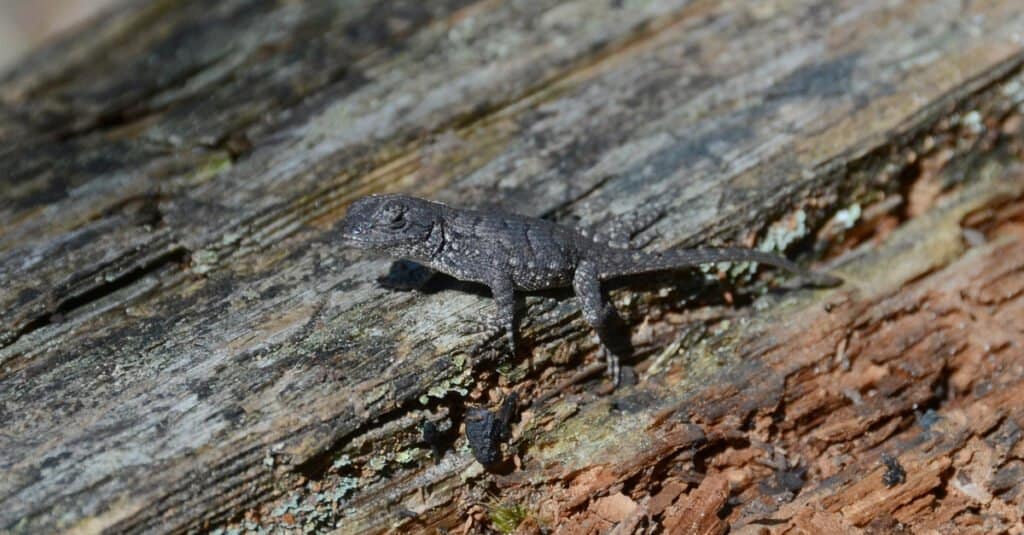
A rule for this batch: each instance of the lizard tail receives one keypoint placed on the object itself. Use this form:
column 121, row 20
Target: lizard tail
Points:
column 618, row 263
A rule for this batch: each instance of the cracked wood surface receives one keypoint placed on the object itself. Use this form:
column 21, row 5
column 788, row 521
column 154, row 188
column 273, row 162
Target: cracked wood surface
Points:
column 926, row 367
column 183, row 345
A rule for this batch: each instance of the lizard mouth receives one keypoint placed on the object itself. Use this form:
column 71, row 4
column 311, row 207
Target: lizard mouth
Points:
column 350, row 235
column 363, row 241
column 355, row 240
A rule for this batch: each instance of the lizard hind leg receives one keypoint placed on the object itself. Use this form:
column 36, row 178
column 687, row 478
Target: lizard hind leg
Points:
column 598, row 313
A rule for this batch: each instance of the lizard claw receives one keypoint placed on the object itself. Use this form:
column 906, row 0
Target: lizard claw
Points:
column 614, row 367
column 476, row 327
column 491, row 332
column 469, row 326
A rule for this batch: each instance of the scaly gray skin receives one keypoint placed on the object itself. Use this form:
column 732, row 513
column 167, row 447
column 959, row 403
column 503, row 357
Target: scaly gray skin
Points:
column 510, row 252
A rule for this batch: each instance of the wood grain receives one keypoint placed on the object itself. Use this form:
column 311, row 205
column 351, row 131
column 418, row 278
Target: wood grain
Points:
column 185, row 347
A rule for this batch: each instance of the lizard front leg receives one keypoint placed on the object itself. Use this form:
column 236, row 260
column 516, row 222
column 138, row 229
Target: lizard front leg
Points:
column 597, row 311
column 505, row 299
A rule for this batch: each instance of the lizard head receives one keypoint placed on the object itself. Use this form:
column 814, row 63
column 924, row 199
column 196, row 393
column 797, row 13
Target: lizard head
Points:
column 395, row 224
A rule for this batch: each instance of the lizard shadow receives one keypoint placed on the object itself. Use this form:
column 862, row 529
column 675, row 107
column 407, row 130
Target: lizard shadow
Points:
column 407, row 276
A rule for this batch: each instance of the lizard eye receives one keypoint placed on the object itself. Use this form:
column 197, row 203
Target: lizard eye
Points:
column 392, row 214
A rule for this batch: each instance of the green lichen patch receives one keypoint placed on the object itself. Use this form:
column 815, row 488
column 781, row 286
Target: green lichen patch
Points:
column 505, row 518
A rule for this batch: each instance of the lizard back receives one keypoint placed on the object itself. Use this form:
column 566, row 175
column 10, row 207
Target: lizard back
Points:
column 536, row 253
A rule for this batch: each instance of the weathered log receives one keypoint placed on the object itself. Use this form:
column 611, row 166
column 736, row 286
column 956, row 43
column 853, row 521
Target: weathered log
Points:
column 185, row 347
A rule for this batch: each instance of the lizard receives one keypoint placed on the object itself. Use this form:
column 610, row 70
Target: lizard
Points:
column 510, row 252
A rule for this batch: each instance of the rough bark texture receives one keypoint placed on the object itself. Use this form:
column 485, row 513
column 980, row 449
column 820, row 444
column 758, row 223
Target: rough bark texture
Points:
column 184, row 347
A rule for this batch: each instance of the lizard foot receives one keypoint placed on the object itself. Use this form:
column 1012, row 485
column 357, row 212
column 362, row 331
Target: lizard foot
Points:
column 470, row 326
column 613, row 366
column 489, row 331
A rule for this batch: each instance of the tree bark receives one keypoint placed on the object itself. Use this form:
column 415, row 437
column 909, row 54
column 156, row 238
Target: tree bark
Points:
column 186, row 347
